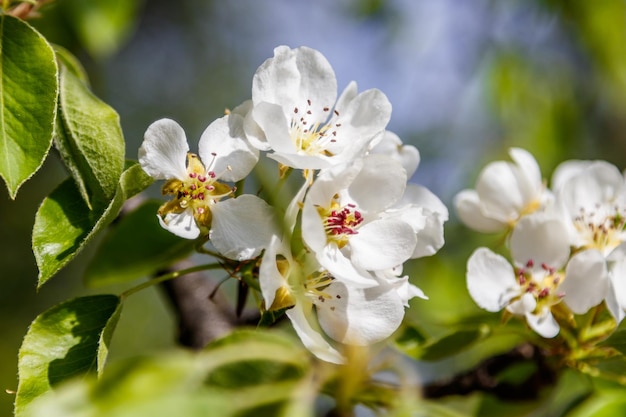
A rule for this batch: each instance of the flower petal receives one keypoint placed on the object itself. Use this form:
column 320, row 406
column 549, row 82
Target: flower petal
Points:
column 339, row 266
column 181, row 224
column 310, row 334
column 392, row 145
column 541, row 238
column 242, row 227
column 224, row 150
column 469, row 209
column 359, row 316
column 490, row 280
column 586, row 281
column 293, row 76
column 543, row 323
column 163, row 152
column 382, row 244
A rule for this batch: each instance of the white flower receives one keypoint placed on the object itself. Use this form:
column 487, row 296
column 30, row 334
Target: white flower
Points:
column 505, row 191
column 531, row 288
column 296, row 115
column 198, row 189
column 321, row 307
column 350, row 223
column 592, row 200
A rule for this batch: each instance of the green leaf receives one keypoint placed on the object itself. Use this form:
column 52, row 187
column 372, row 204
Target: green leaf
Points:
column 61, row 343
column 134, row 179
column 105, row 338
column 28, row 100
column 137, row 246
column 64, row 225
column 89, row 139
column 246, row 373
column 446, row 346
column 70, row 62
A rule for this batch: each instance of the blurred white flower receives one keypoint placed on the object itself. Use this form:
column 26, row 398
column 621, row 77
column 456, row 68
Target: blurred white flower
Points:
column 540, row 252
column 505, row 191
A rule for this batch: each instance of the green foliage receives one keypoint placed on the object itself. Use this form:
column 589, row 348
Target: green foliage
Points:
column 64, row 342
column 135, row 247
column 64, row 224
column 90, row 140
column 224, row 379
column 28, row 100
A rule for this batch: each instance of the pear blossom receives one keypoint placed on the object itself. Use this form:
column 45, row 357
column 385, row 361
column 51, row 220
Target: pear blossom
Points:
column 591, row 198
column 322, row 308
column 505, row 191
column 352, row 229
column 533, row 284
column 296, row 116
column 197, row 183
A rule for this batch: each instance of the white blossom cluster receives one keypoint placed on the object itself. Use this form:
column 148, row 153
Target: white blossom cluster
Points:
column 358, row 217
column 567, row 242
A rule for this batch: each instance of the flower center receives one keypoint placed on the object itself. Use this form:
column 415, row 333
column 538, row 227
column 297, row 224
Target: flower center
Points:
column 312, row 133
column 542, row 284
column 197, row 191
column 602, row 228
column 315, row 284
column 340, row 222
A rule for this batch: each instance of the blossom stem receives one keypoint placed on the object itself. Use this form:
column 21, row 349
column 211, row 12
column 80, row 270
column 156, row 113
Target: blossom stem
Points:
column 171, row 275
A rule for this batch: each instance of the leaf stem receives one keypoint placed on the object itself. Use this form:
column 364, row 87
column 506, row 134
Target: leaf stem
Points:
column 168, row 276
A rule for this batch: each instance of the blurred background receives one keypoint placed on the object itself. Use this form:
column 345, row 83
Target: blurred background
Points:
column 467, row 80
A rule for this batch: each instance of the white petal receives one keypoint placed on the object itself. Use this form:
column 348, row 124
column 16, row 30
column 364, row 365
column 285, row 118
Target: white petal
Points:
column 529, row 174
column 309, row 333
column 617, row 275
column 599, row 182
column 542, row 239
column 617, row 311
column 359, row 316
column 422, row 196
column 430, row 239
column 293, row 76
column 382, row 244
column 380, row 173
column 586, row 281
column 163, row 153
column 342, row 268
column 524, row 305
column 407, row 155
column 490, row 280
column 469, row 209
column 499, row 191
column 181, row 224
column 270, row 278
column 271, row 120
column 543, row 323
column 242, row 227
column 224, row 150
column 566, row 170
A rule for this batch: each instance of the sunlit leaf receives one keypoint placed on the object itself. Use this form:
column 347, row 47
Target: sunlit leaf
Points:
column 61, row 343
column 64, row 225
column 135, row 247
column 28, row 99
column 90, row 140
